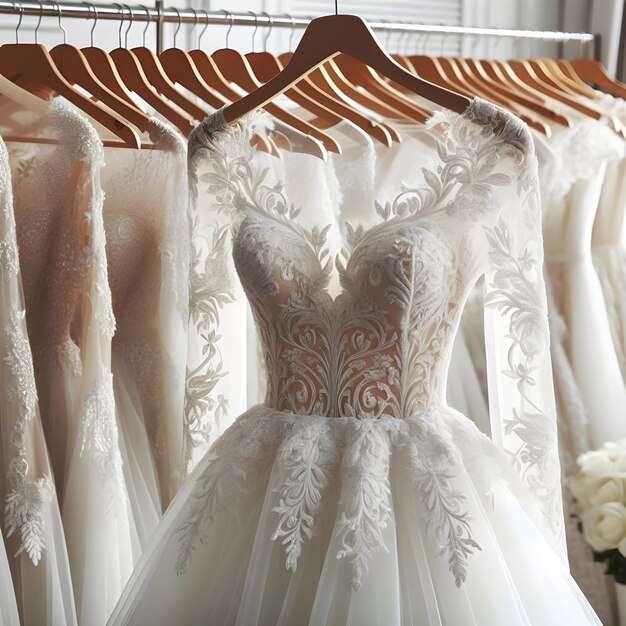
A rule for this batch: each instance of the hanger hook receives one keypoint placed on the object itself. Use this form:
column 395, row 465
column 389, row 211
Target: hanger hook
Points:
column 195, row 23
column 232, row 23
column 401, row 38
column 270, row 25
column 91, row 6
column 119, row 31
column 60, row 15
column 444, row 36
column 206, row 25
column 148, row 20
column 293, row 30
column 427, row 35
column 419, row 35
column 256, row 27
column 19, row 23
column 130, row 23
column 177, row 26
column 474, row 44
column 38, row 21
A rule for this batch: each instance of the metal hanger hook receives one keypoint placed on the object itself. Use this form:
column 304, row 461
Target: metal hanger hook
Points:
column 148, row 20
column 130, row 23
column 256, row 27
column 474, row 44
column 232, row 23
column 427, row 35
column 293, row 30
column 195, row 23
column 119, row 31
column 38, row 21
column 419, row 35
column 91, row 6
column 401, row 38
column 60, row 15
column 444, row 36
column 270, row 25
column 19, row 23
column 206, row 25
column 177, row 26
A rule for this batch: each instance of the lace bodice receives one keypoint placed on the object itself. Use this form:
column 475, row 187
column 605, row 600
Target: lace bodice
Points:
column 366, row 330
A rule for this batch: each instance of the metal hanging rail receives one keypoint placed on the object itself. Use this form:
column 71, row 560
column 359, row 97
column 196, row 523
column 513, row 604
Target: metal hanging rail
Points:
column 160, row 15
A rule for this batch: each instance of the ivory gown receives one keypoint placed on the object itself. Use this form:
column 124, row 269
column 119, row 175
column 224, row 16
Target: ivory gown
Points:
column 354, row 494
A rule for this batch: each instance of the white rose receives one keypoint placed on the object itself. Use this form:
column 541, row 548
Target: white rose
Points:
column 608, row 490
column 604, row 526
column 592, row 491
column 604, row 462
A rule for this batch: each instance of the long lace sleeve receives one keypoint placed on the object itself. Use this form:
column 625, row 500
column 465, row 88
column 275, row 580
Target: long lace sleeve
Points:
column 96, row 513
column 32, row 522
column 521, row 396
column 218, row 363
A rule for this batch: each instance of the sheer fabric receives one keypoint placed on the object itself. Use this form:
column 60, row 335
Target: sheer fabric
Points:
column 60, row 235
column 353, row 494
column 147, row 230
column 37, row 564
column 570, row 281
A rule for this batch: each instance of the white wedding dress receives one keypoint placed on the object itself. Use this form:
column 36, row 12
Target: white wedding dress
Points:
column 32, row 520
column 61, row 242
column 354, row 494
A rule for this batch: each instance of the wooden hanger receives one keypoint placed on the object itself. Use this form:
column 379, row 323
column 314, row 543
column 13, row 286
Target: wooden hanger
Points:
column 132, row 73
column 326, row 78
column 181, row 69
column 265, row 66
column 573, row 81
column 527, row 74
column 76, row 69
column 462, row 72
column 363, row 76
column 324, row 38
column 159, row 79
column 235, row 68
column 594, row 72
column 33, row 63
column 350, row 75
column 528, row 103
column 323, row 81
column 24, row 98
column 555, row 78
column 103, row 66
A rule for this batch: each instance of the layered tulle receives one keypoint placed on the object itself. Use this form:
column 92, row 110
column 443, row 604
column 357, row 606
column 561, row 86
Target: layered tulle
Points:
column 295, row 519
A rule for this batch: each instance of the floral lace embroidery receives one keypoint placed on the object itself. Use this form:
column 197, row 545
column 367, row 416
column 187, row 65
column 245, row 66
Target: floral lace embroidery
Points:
column 26, row 499
column 99, row 440
column 309, row 451
column 306, row 459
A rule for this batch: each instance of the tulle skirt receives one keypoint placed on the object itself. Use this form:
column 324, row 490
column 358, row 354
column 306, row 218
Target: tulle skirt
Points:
column 294, row 519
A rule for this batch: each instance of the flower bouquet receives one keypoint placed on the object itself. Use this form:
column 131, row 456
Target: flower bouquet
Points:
column 600, row 492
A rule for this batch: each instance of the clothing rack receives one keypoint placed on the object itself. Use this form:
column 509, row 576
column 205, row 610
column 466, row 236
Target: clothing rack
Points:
column 160, row 15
